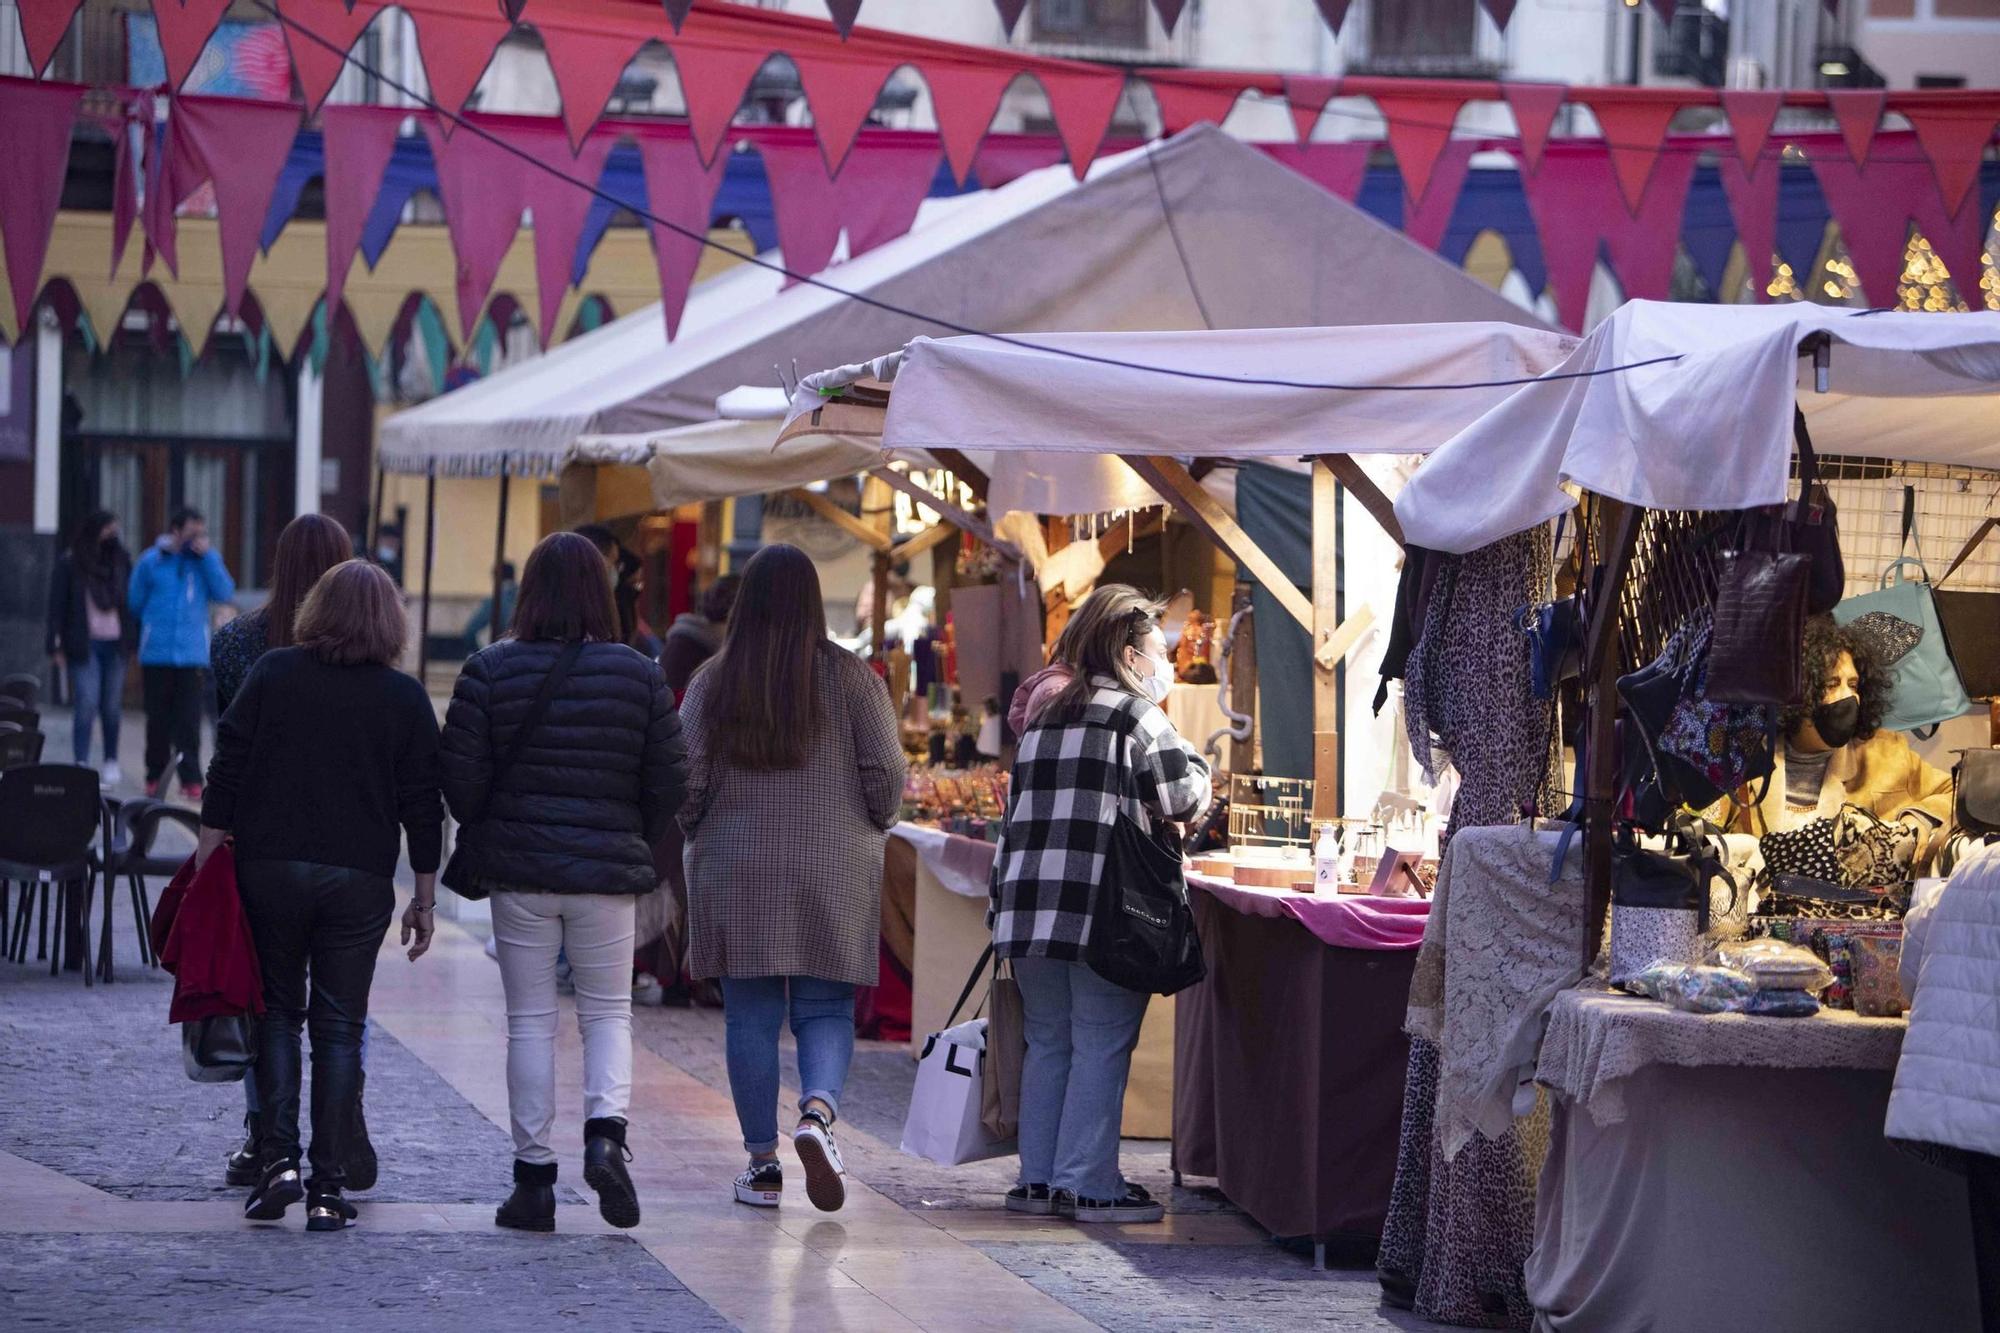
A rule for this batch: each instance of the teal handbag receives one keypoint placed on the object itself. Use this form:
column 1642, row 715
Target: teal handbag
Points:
column 1900, row 618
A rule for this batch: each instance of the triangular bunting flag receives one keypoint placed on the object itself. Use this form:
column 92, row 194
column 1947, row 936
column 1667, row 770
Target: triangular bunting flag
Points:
column 173, row 172
column 964, row 98
column 1333, row 11
column 1858, row 111
column 1082, row 103
column 480, row 184
column 802, row 197
column 456, row 49
column 1008, row 157
column 587, row 64
column 1751, row 116
column 124, row 184
column 184, row 27
column 1169, row 12
column 713, row 81
column 359, row 141
column 1010, row 13
column 1874, row 218
column 1579, row 212
column 844, row 13
column 39, row 118
column 1337, row 168
column 884, row 183
column 1954, row 131
column 1634, row 122
column 1753, row 204
column 1500, row 11
column 317, row 67
column 1419, row 127
column 243, row 145
column 841, row 93
column 682, row 191
column 44, row 23
column 559, row 208
column 1308, row 95
column 677, row 11
column 1426, row 221
column 1534, row 106
column 1190, row 103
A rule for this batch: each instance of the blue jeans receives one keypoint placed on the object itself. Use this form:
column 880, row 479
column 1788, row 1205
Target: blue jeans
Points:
column 753, row 1009
column 98, row 682
column 1081, row 1031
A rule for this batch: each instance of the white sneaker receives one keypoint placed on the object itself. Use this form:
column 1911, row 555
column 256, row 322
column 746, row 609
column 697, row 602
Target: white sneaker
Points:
column 825, row 1183
column 647, row 990
column 110, row 775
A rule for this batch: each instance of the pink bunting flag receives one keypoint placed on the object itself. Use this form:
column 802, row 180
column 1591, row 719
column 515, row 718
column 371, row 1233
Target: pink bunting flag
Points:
column 587, row 64
column 558, row 195
column 1753, row 204
column 310, row 29
column 713, row 81
column 1182, row 105
column 965, row 98
column 1009, row 157
column 1634, row 122
column 1425, row 221
column 456, row 49
column 359, row 142
column 1576, row 199
column 1082, row 102
column 184, row 27
column 1875, row 204
column 1751, row 116
column 1419, row 126
column 173, row 172
column 1308, row 95
column 841, row 93
column 682, row 191
column 243, row 146
column 39, row 117
column 874, row 199
column 1337, row 168
column 1534, row 106
column 481, row 187
column 44, row 23
column 1858, row 111
column 124, row 182
column 1954, row 129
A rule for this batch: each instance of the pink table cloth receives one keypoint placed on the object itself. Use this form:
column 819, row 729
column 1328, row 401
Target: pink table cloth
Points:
column 1347, row 922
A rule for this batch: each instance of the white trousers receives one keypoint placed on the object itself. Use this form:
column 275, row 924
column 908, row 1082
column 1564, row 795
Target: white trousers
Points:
column 595, row 932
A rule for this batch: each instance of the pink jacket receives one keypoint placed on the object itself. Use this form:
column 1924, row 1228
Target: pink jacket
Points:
column 1033, row 695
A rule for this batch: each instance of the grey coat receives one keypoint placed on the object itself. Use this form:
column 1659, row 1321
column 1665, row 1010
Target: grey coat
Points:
column 784, row 869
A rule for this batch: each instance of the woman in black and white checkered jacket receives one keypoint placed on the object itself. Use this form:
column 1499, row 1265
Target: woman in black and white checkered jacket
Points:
column 1099, row 745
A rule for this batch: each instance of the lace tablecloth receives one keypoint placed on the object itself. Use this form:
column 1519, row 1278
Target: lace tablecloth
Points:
column 1597, row 1038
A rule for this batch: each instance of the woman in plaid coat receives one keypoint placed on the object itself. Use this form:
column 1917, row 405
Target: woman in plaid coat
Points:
column 795, row 776
column 1099, row 746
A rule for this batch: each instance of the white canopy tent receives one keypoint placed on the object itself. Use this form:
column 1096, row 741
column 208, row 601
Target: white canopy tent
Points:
column 1690, row 407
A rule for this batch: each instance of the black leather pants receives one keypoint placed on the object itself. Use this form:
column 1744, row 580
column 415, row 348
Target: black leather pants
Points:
column 327, row 921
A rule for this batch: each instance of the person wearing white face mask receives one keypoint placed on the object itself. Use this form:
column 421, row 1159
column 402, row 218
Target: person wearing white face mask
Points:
column 1098, row 745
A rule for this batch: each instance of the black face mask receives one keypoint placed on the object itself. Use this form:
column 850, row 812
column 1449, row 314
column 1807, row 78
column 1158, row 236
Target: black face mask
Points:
column 1837, row 722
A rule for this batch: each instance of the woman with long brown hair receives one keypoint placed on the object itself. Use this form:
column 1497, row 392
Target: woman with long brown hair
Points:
column 326, row 761
column 795, row 775
column 562, row 759
column 310, row 545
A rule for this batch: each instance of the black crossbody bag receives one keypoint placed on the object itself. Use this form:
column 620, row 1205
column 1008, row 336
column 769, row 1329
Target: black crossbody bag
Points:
column 463, row 872
column 1142, row 934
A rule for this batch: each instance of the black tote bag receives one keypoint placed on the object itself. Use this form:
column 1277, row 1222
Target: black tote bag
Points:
column 1142, row 934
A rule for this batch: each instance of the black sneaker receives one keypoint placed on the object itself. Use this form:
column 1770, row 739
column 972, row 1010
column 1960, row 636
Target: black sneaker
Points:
column 1034, row 1200
column 244, row 1167
column 327, row 1211
column 277, row 1189
column 532, row 1205
column 1134, row 1205
column 762, row 1186
column 604, row 1158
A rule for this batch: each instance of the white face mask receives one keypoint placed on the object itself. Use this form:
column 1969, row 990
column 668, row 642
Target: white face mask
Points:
column 1159, row 680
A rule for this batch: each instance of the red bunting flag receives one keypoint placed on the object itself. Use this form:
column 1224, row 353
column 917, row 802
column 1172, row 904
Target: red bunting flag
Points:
column 359, row 141
column 587, row 65
column 310, row 29
column 1192, row 97
column 184, row 27
column 965, row 98
column 874, row 199
column 1534, row 106
column 1082, row 102
column 44, row 23
column 1576, row 199
column 1337, row 168
column 480, row 185
column 456, row 48
column 1753, row 204
column 1634, row 122
column 242, row 146
column 841, row 93
column 124, row 181
column 1419, row 127
column 1857, row 111
column 1875, row 204
column 558, row 195
column 1954, row 128
column 1012, row 156
column 681, row 190
column 39, row 117
column 713, row 80
column 1425, row 221
column 1751, row 116
column 1308, row 95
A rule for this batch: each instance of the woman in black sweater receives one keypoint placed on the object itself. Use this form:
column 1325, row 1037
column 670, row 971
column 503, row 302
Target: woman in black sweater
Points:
column 326, row 758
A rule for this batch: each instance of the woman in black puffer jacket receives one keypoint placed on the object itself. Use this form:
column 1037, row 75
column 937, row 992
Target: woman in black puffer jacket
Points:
column 562, row 841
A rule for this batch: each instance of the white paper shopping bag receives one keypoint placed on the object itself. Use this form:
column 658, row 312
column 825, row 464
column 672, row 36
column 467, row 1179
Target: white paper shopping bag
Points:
column 944, row 1123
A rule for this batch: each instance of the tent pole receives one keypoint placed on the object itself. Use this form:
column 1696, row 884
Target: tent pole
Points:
column 430, row 549
column 1327, row 676
column 500, row 552
column 1362, row 487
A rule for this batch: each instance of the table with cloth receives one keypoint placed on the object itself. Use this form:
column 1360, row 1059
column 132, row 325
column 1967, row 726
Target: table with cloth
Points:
column 947, row 896
column 1729, row 1171
column 1289, row 1056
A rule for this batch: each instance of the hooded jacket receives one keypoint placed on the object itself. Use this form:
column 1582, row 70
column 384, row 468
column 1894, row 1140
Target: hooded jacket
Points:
column 1948, row 1079
column 170, row 593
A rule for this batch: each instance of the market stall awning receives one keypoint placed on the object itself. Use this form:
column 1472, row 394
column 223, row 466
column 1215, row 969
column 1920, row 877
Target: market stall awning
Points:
column 1708, row 424
column 1196, row 231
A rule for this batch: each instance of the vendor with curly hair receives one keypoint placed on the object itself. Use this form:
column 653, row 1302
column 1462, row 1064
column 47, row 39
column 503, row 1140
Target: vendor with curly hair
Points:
column 1832, row 751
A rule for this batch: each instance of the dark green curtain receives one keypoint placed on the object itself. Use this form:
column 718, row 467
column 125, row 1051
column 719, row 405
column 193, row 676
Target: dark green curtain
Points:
column 1274, row 508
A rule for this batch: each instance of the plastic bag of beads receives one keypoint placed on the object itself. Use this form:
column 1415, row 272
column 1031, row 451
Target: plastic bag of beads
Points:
column 1775, row 965
column 1782, row 1004
column 1703, row 988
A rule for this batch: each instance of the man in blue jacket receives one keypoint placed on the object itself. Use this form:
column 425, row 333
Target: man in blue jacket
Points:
column 173, row 586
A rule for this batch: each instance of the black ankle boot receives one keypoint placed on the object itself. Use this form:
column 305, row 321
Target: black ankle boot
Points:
column 532, row 1205
column 362, row 1165
column 242, row 1167
column 604, row 1158
column 277, row 1189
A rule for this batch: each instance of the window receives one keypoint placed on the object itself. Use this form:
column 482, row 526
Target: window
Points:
column 1421, row 30
column 1105, row 23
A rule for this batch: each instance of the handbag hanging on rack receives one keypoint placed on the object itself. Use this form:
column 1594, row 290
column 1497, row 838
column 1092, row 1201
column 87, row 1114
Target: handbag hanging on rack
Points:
column 1807, row 526
column 1901, row 619
column 1971, row 623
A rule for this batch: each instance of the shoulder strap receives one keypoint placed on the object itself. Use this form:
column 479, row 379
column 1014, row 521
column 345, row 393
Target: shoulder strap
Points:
column 1809, row 479
column 1979, row 534
column 1910, row 523
column 536, row 711
column 978, row 969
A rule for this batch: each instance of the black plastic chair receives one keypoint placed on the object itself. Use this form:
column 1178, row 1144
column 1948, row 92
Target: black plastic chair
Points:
column 135, row 854
column 22, row 687
column 50, row 814
column 18, row 747
column 13, row 710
